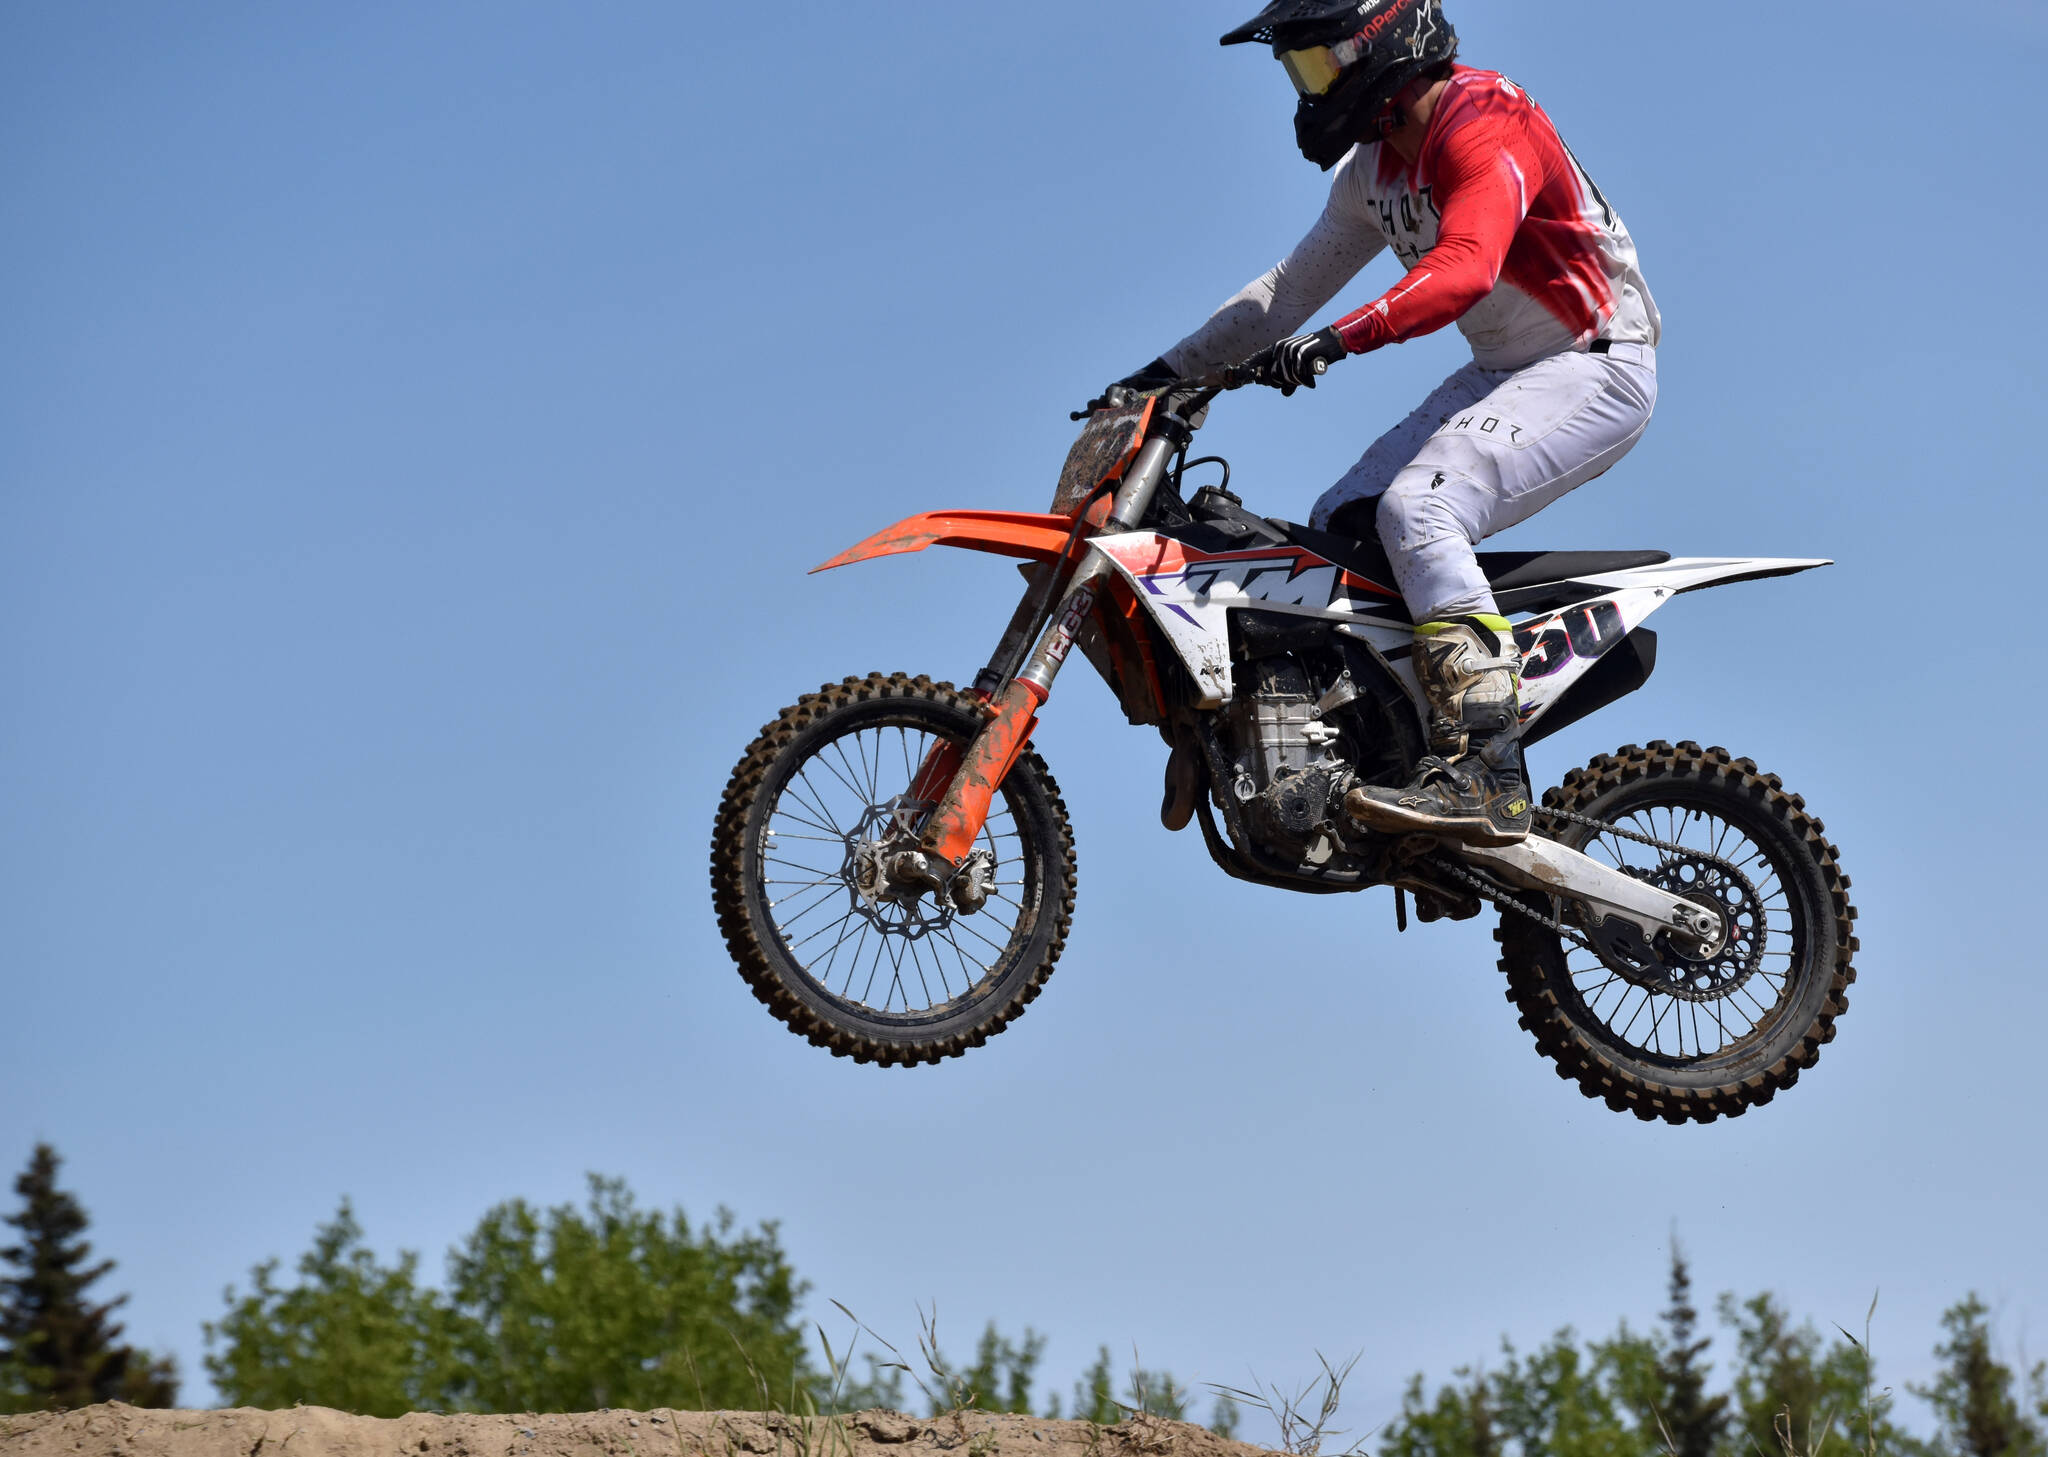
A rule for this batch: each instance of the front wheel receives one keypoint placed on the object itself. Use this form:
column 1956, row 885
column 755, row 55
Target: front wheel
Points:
column 1705, row 1039
column 892, row 979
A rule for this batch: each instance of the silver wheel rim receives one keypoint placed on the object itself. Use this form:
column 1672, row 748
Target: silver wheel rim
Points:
column 894, row 958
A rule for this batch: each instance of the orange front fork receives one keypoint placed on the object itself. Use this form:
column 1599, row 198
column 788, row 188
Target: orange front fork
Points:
column 957, row 821
column 962, row 811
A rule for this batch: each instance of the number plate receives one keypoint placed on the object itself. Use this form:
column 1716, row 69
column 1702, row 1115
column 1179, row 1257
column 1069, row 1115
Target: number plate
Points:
column 1107, row 444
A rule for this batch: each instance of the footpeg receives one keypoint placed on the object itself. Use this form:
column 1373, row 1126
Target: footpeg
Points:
column 1435, row 905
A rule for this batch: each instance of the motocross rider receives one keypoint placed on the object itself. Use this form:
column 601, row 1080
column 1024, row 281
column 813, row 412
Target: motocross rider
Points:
column 1464, row 177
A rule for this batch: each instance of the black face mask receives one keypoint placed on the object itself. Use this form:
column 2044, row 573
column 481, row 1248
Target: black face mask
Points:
column 1326, row 127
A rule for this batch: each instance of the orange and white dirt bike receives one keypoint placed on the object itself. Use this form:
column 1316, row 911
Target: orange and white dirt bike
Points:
column 894, row 872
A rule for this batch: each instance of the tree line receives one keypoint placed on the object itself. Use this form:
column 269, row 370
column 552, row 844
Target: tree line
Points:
column 610, row 1304
column 1791, row 1391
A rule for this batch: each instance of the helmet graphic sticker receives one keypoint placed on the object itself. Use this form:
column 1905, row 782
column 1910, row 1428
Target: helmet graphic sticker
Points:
column 1348, row 60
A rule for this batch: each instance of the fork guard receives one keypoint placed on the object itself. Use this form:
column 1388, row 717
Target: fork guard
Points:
column 956, row 821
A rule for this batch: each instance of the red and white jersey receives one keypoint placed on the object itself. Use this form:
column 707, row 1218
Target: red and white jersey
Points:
column 1500, row 228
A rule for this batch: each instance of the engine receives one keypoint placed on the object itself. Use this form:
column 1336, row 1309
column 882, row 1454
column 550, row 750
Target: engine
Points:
column 1291, row 762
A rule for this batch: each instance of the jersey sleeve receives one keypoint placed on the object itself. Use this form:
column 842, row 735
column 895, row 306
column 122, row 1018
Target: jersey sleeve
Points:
column 1279, row 301
column 1483, row 177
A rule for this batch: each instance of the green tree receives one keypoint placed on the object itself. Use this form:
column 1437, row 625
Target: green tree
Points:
column 13, row 1386
column 58, row 1349
column 1619, row 1397
column 1095, row 1393
column 613, row 1305
column 1974, row 1394
column 1154, row 1392
column 1000, row 1378
column 1460, row 1420
column 1559, row 1400
column 1792, row 1388
column 1693, row 1421
column 1157, row 1393
column 1224, row 1416
column 351, row 1334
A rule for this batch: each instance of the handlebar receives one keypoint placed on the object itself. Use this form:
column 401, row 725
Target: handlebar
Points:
column 1199, row 391
column 1235, row 376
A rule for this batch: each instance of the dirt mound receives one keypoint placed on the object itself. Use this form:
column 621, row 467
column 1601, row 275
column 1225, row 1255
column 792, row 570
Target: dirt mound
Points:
column 117, row 1430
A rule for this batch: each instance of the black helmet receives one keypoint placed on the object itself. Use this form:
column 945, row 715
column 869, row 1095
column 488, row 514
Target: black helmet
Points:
column 1348, row 59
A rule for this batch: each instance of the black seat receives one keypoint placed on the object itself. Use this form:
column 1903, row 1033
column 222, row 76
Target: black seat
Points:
column 1508, row 570
column 1522, row 581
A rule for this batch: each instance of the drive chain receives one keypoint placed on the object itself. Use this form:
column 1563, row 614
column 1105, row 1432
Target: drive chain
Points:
column 1506, row 899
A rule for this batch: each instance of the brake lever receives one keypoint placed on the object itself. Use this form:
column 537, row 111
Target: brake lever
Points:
column 1237, row 376
column 1206, row 388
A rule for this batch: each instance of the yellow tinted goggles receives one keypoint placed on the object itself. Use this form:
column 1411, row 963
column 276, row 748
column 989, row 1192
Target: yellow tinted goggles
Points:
column 1313, row 71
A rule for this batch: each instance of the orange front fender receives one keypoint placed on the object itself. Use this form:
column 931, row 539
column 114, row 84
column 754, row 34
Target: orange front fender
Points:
column 1029, row 534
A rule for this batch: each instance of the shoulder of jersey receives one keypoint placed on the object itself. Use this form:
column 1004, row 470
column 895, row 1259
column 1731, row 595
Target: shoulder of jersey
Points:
column 1362, row 156
column 1475, row 96
column 1473, row 93
column 1352, row 178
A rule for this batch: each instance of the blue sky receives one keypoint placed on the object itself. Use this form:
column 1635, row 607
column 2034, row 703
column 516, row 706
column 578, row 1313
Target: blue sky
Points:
column 415, row 425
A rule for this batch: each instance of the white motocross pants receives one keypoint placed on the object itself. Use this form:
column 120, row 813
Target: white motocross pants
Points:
column 1489, row 448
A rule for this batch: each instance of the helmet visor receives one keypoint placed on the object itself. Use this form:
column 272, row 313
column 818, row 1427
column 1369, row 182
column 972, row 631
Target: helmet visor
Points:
column 1313, row 71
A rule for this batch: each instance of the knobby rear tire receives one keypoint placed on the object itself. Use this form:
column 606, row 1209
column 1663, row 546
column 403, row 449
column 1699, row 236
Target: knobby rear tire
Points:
column 829, row 1019
column 1784, row 1043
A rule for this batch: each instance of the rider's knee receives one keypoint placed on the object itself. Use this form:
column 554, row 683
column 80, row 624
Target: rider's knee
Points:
column 1416, row 511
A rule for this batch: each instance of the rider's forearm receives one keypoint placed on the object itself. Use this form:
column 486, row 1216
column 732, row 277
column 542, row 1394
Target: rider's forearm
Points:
column 1282, row 299
column 1248, row 321
column 1437, row 291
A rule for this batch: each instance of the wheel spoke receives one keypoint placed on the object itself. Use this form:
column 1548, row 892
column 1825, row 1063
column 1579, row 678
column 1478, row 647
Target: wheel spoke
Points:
column 823, row 929
column 801, row 890
column 968, row 927
column 810, row 800
column 833, row 770
column 955, row 943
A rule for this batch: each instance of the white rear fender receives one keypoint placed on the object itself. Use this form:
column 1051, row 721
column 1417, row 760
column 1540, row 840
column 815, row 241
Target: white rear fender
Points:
column 1559, row 648
column 1690, row 573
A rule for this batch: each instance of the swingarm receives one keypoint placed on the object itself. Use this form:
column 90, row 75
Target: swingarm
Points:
column 1609, row 895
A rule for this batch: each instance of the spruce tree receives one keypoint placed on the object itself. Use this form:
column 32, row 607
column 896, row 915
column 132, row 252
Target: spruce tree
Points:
column 1974, row 1393
column 63, row 1349
column 1095, row 1394
column 1692, row 1420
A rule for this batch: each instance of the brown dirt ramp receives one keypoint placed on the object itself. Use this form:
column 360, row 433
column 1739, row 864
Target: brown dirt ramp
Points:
column 117, row 1430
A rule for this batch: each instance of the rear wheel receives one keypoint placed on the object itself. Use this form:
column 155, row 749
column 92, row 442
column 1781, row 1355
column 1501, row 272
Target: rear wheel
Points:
column 889, row 978
column 1691, row 1041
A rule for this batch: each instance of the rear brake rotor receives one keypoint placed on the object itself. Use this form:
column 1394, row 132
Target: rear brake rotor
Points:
column 1719, row 886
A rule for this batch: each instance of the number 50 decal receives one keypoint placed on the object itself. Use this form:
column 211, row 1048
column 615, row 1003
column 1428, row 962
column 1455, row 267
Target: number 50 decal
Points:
column 1585, row 631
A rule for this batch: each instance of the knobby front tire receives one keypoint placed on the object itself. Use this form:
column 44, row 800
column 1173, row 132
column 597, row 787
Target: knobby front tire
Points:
column 1710, row 1052
column 886, row 983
